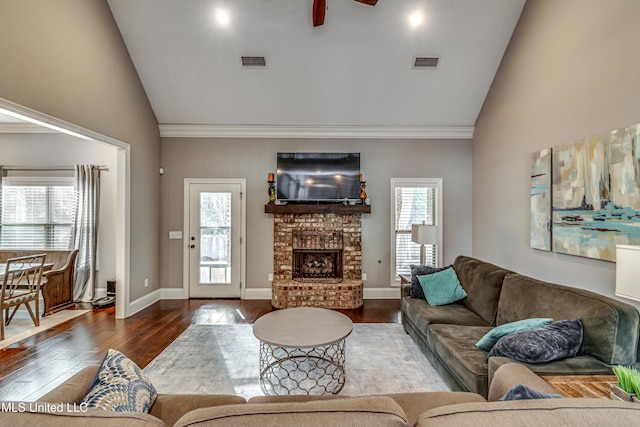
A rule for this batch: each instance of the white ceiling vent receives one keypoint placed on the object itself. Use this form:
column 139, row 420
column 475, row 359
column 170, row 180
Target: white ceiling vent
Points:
column 425, row 62
column 254, row 62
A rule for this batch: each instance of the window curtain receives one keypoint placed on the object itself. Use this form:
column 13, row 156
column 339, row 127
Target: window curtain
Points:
column 84, row 233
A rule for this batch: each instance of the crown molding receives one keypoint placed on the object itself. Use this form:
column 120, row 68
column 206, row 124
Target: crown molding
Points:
column 24, row 128
column 281, row 131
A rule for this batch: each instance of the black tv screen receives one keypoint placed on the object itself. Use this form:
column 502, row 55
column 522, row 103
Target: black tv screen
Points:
column 311, row 177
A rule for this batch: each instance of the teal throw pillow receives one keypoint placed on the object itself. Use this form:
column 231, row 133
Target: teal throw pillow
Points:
column 120, row 386
column 442, row 288
column 487, row 342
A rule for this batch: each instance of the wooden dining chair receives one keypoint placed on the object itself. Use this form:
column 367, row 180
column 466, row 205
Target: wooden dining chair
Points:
column 21, row 285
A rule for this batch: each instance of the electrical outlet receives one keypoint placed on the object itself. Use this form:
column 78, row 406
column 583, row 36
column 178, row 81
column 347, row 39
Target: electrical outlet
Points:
column 146, row 283
column 364, row 277
column 270, row 277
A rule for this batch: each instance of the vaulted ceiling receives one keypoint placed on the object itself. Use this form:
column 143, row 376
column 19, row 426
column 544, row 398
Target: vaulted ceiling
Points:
column 356, row 70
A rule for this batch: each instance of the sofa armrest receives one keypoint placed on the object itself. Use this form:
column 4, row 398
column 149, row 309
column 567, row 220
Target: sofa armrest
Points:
column 74, row 389
column 512, row 374
column 405, row 290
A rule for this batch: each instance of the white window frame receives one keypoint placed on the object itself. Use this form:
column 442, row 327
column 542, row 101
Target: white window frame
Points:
column 40, row 181
column 414, row 182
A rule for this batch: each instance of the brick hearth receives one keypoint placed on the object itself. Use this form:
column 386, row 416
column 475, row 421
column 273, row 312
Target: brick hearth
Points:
column 345, row 293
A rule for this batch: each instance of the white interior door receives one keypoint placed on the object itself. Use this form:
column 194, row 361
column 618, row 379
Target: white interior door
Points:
column 214, row 239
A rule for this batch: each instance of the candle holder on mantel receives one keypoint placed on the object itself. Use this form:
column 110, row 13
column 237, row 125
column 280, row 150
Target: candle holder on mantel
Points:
column 272, row 188
column 363, row 193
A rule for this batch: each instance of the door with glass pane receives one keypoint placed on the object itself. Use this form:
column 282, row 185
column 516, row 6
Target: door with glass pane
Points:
column 215, row 240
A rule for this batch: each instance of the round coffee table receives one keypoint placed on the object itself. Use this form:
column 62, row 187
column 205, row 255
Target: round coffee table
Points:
column 302, row 351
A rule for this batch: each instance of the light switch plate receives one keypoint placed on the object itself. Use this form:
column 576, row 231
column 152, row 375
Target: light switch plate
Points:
column 175, row 234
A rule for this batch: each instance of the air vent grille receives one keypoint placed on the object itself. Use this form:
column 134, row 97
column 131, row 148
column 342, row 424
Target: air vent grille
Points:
column 254, row 61
column 425, row 62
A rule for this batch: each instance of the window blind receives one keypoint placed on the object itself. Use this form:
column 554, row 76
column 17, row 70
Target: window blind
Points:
column 37, row 213
column 414, row 204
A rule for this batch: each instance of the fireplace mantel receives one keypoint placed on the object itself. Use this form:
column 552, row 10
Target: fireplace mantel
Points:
column 310, row 208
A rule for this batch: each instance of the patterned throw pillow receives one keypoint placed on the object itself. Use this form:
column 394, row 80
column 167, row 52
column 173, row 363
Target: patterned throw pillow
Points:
column 522, row 392
column 421, row 270
column 120, row 385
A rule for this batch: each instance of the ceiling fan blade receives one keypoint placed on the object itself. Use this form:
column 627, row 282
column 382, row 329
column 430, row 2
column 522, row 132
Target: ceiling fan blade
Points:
column 319, row 7
column 369, row 2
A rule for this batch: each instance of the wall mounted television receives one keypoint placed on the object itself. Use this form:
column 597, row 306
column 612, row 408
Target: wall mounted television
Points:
column 318, row 177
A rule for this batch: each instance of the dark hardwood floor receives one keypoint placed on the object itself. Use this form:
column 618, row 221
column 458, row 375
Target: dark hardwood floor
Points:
column 35, row 365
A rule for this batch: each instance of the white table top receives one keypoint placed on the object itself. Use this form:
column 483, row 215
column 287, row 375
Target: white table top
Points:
column 302, row 327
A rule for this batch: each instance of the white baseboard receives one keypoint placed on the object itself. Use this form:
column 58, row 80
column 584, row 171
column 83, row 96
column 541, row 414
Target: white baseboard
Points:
column 265, row 293
column 143, row 302
column 173, row 293
column 381, row 293
column 260, row 293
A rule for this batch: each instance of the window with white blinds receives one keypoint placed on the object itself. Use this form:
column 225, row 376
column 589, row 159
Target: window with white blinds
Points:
column 415, row 201
column 37, row 213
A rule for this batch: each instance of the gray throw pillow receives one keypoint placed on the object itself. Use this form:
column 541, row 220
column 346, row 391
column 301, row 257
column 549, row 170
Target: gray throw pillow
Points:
column 421, row 270
column 522, row 392
column 552, row 342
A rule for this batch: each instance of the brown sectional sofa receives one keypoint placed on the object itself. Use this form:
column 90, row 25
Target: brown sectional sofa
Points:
column 61, row 408
column 495, row 296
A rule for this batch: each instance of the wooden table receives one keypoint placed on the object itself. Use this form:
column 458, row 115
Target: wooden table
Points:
column 599, row 386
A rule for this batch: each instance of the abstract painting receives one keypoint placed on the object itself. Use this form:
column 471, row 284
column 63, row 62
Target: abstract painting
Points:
column 596, row 194
column 541, row 200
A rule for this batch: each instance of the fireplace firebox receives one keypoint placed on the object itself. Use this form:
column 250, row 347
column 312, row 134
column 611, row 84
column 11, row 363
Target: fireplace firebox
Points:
column 317, row 256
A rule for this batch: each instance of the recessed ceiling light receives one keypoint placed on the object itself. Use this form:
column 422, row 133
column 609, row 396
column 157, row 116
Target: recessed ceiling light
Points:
column 222, row 17
column 415, row 19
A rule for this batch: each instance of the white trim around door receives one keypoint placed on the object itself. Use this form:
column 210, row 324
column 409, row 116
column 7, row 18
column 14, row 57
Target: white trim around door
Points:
column 185, row 229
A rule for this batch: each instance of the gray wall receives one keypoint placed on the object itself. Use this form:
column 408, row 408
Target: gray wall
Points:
column 570, row 71
column 66, row 58
column 254, row 158
column 49, row 150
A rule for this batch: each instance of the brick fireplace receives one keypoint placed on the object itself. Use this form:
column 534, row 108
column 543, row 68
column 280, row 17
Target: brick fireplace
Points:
column 317, row 260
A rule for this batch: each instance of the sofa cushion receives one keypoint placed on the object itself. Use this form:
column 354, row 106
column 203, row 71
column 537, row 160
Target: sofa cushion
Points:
column 546, row 344
column 74, row 389
column 120, row 385
column 421, row 270
column 455, row 346
column 369, row 410
column 56, row 417
column 610, row 326
column 442, row 287
column 170, row 407
column 482, row 282
column 421, row 314
column 541, row 412
column 487, row 342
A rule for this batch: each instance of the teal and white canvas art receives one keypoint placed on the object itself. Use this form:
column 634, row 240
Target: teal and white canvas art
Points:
column 596, row 194
column 541, row 200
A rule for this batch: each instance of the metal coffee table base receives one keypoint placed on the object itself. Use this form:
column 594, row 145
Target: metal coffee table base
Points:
column 311, row 371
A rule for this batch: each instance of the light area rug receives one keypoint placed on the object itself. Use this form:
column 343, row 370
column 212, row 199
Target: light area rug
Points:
column 206, row 359
column 22, row 327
